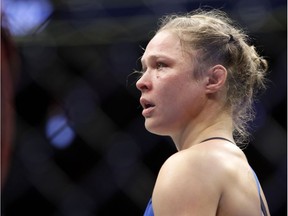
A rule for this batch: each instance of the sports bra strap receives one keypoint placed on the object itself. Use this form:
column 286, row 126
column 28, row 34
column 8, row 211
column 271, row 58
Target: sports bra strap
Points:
column 221, row 138
column 263, row 208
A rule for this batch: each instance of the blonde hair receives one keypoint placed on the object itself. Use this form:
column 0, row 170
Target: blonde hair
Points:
column 217, row 40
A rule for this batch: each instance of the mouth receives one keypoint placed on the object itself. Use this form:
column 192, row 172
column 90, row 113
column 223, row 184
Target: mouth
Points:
column 146, row 104
column 148, row 107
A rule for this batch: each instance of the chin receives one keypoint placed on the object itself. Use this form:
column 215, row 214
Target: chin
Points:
column 158, row 130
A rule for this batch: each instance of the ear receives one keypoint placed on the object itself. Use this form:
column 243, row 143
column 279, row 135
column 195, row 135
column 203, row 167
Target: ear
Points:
column 216, row 78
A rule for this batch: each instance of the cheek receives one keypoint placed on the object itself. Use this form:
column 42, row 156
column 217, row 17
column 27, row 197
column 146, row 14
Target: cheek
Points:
column 175, row 96
column 177, row 105
column 177, row 91
column 185, row 98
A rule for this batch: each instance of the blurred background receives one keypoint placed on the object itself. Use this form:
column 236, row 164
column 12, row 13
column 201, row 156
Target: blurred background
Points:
column 73, row 139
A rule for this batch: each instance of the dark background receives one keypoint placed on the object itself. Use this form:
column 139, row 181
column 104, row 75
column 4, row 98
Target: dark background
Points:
column 79, row 144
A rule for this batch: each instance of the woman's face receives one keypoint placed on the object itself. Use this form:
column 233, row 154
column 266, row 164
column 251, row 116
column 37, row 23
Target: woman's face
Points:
column 170, row 97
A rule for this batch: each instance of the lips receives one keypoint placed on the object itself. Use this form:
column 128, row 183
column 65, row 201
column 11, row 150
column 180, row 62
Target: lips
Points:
column 148, row 107
column 145, row 103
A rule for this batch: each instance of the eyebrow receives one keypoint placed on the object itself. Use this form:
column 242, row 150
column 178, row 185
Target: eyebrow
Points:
column 153, row 57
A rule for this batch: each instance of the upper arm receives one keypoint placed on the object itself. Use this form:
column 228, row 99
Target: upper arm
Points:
column 186, row 185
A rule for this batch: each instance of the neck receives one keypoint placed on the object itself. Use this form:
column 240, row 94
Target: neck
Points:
column 205, row 126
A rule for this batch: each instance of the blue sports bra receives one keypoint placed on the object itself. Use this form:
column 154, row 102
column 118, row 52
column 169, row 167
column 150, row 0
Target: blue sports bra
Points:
column 149, row 209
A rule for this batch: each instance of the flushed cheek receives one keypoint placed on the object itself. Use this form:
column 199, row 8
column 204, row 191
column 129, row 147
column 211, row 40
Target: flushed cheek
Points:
column 169, row 104
column 180, row 100
column 170, row 94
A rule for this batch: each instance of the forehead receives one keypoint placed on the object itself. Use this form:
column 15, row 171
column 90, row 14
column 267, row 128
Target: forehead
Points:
column 163, row 43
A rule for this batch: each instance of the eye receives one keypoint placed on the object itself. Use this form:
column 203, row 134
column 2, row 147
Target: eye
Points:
column 160, row 65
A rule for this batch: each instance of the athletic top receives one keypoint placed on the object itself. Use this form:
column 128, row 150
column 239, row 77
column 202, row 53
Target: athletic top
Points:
column 263, row 208
column 149, row 209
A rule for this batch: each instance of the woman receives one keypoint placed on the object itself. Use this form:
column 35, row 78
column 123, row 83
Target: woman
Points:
column 198, row 81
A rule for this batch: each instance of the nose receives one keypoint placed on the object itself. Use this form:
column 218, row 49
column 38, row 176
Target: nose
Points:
column 143, row 84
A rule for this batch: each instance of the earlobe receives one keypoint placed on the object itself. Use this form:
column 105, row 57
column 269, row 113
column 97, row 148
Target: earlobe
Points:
column 216, row 78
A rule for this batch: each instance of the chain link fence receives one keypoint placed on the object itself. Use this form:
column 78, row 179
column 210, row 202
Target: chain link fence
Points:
column 79, row 144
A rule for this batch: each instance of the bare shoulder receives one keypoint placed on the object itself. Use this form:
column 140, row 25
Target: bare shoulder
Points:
column 216, row 160
column 201, row 176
